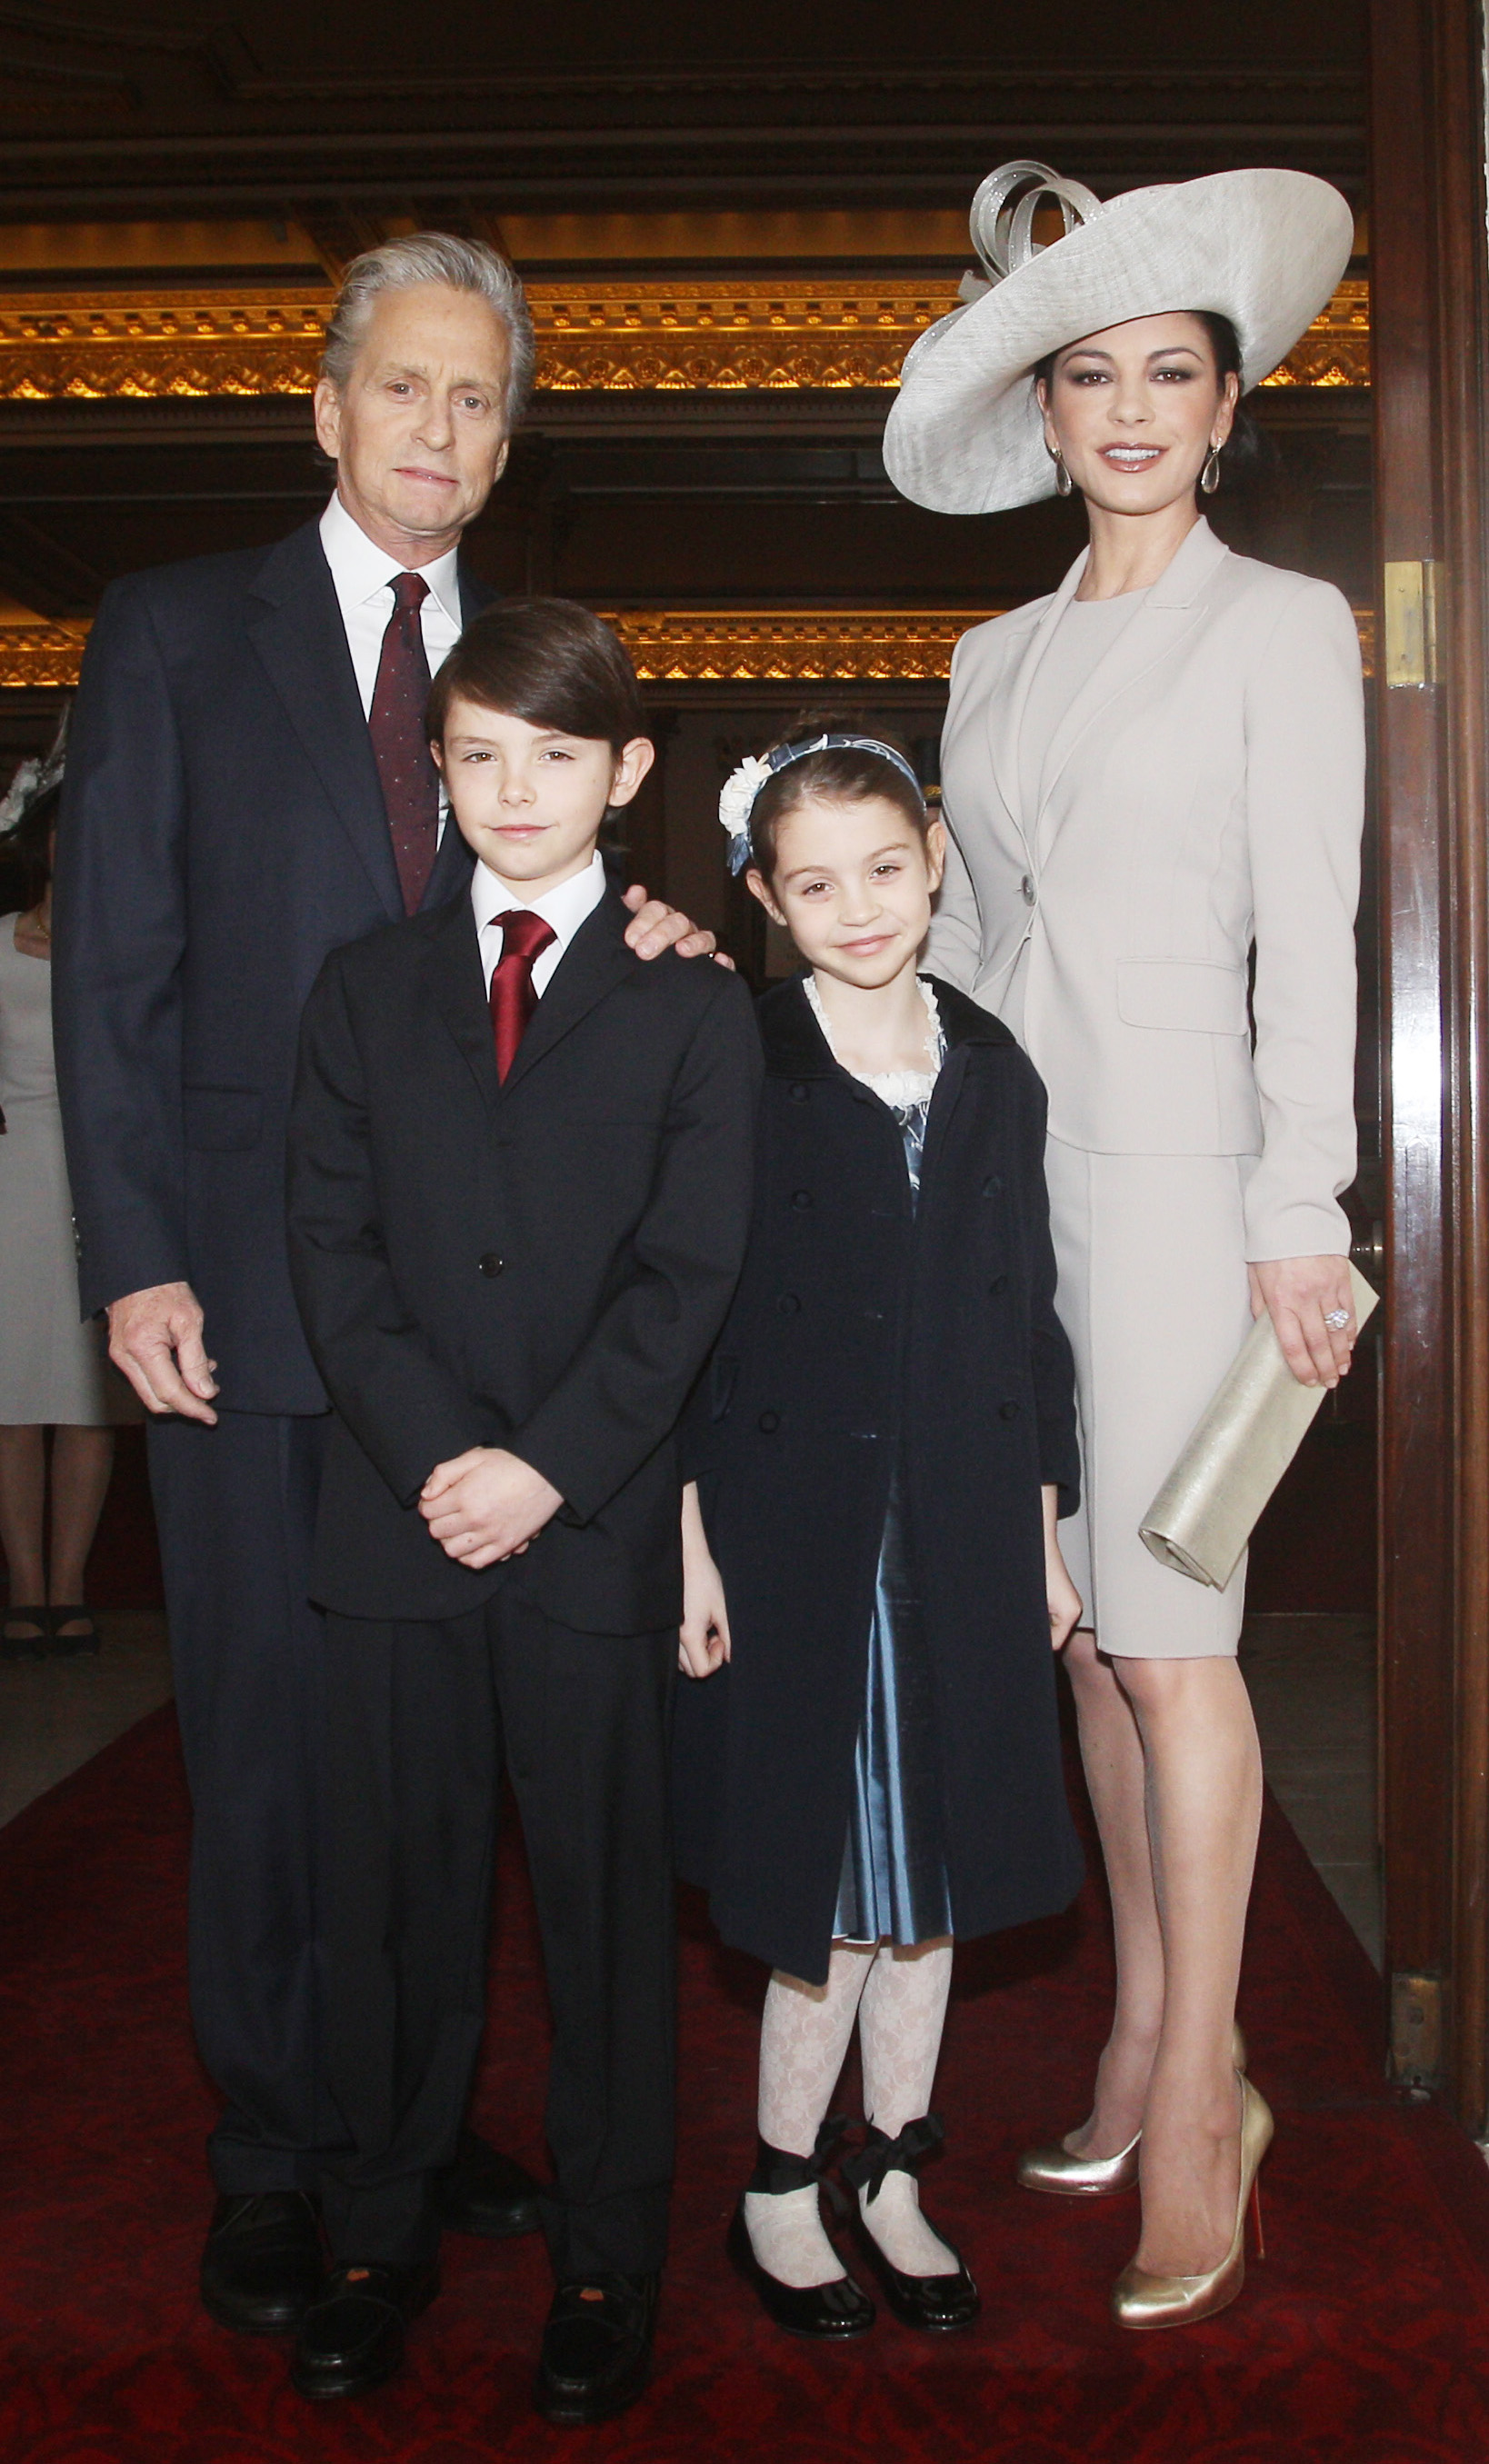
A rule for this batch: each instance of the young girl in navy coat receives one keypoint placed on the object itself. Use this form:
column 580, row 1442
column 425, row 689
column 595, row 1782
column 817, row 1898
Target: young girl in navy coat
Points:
column 882, row 1445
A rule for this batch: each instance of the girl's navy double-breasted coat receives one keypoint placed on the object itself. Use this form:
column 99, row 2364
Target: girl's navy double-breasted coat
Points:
column 864, row 1328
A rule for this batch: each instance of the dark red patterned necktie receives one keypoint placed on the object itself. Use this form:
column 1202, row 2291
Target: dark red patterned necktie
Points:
column 525, row 937
column 404, row 764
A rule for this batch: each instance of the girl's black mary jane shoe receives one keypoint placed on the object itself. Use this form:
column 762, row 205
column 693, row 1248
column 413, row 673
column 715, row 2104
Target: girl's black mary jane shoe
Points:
column 829, row 2313
column 935, row 2304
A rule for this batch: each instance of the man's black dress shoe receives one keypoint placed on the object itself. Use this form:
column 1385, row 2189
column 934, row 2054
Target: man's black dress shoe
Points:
column 936, row 2304
column 828, row 2312
column 486, row 2193
column 352, row 2339
column 596, row 2348
column 261, row 2266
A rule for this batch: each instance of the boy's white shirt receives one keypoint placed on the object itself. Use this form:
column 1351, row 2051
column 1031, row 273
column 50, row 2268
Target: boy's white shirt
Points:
column 562, row 910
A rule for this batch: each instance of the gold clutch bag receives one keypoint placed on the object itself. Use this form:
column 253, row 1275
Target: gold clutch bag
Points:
column 1212, row 1500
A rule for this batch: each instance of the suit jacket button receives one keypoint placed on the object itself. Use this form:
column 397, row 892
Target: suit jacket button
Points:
column 992, row 1184
column 1008, row 1410
column 799, row 1095
column 999, row 1284
column 489, row 1264
column 770, row 1422
column 801, row 1199
column 789, row 1305
column 1031, row 894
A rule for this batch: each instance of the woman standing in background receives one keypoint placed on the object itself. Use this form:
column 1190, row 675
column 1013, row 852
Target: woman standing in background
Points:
column 54, row 1369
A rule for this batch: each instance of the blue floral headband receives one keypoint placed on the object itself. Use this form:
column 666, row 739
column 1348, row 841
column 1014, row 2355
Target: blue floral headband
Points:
column 737, row 798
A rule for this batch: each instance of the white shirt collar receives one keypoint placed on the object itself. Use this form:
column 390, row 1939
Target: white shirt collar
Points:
column 360, row 568
column 562, row 910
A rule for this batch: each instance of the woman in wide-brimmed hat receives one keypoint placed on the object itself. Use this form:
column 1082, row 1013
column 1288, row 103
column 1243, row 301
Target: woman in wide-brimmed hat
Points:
column 1149, row 777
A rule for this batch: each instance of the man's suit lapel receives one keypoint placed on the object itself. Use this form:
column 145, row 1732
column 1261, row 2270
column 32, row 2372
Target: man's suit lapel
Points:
column 295, row 625
column 452, row 868
column 460, row 990
column 1171, row 609
column 595, row 961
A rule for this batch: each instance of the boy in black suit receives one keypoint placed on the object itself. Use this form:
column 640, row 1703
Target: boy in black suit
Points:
column 519, row 1167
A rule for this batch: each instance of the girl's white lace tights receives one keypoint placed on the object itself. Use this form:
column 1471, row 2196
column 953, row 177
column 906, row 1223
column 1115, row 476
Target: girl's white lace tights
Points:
column 898, row 1998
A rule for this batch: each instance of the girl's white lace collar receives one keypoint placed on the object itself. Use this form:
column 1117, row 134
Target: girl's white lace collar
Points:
column 901, row 1089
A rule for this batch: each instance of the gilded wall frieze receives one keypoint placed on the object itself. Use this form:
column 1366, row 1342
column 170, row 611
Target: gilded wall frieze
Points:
column 706, row 646
column 752, row 335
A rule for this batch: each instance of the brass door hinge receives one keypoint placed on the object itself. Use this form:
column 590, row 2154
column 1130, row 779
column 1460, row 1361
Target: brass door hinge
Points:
column 1416, row 2031
column 1409, row 615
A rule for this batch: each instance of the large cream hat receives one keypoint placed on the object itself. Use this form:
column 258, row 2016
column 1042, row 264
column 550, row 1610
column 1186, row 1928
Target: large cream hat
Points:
column 1263, row 248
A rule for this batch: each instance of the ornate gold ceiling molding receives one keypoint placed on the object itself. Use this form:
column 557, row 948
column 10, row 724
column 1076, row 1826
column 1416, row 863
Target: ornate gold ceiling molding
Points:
column 702, row 646
column 612, row 337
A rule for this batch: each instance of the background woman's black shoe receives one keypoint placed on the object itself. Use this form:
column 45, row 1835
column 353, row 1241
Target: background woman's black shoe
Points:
column 73, row 1631
column 24, row 1633
column 352, row 2339
column 596, row 2348
column 828, row 2312
column 487, row 2193
column 936, row 2304
column 262, row 2266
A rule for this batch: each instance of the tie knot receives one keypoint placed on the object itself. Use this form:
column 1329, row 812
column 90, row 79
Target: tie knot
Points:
column 523, row 932
column 409, row 591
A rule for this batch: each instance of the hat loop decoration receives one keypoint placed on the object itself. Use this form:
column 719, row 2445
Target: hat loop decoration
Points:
column 1003, row 231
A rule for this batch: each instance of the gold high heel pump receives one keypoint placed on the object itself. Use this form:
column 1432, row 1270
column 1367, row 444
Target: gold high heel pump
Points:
column 1064, row 2176
column 1143, row 2300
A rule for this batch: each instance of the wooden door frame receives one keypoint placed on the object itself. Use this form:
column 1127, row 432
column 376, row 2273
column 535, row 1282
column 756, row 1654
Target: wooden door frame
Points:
column 1427, row 265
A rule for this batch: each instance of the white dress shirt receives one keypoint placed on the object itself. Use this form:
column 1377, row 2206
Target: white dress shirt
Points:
column 362, row 574
column 562, row 910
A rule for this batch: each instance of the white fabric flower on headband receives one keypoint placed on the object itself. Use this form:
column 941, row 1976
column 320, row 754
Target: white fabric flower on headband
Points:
column 736, row 803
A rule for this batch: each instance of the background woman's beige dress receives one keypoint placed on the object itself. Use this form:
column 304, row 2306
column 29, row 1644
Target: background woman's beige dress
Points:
column 53, row 1369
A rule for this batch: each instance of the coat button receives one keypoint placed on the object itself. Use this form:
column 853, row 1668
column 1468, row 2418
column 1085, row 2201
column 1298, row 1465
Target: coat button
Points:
column 789, row 1305
column 1008, row 1410
column 999, row 1284
column 801, row 1199
column 799, row 1095
column 489, row 1264
column 770, row 1422
column 1031, row 894
column 992, row 1184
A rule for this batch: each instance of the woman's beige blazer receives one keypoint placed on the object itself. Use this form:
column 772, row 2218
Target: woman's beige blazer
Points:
column 1205, row 790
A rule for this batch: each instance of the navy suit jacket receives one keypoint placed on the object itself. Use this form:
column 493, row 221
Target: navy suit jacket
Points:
column 223, row 829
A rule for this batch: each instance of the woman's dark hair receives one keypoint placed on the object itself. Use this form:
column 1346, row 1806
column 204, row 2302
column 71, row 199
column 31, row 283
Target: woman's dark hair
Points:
column 25, row 852
column 844, row 775
column 547, row 661
column 1242, row 446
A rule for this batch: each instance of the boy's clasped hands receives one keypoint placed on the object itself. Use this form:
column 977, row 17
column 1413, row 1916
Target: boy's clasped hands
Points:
column 486, row 1504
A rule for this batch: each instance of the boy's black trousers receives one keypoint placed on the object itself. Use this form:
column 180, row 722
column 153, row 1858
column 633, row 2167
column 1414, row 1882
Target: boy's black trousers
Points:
column 423, row 1718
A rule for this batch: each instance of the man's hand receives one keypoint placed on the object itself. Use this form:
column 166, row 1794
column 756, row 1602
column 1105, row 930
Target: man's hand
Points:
column 657, row 927
column 155, row 1337
column 1302, row 1295
column 485, row 1505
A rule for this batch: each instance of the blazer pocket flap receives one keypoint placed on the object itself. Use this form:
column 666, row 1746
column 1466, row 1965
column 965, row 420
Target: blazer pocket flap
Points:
column 1189, row 994
column 223, row 1121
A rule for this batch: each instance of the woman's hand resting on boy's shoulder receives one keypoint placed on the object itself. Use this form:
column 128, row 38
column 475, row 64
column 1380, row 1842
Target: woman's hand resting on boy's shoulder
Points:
column 486, row 1504
column 1064, row 1600
column 704, row 1636
column 657, row 927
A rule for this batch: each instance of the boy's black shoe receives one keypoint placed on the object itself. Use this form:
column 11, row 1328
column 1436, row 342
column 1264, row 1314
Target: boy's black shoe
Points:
column 353, row 2336
column 596, row 2348
column 261, row 2267
column 486, row 2193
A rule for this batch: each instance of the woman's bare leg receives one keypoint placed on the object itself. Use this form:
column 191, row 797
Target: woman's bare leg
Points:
column 1204, row 1810
column 23, row 1480
column 1111, row 1750
column 82, row 1460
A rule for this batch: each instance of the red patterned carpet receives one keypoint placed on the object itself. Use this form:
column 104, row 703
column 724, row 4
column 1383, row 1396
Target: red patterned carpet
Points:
column 1365, row 2336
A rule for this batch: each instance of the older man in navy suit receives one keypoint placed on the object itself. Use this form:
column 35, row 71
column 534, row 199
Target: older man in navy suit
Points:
column 248, row 787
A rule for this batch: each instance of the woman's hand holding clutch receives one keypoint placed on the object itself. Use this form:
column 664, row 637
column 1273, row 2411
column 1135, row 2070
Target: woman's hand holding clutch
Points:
column 1312, row 1308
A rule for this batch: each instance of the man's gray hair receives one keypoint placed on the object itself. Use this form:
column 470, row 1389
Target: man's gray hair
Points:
column 432, row 256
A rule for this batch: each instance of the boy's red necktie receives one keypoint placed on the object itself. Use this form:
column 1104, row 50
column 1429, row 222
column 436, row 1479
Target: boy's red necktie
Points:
column 525, row 937
column 396, row 721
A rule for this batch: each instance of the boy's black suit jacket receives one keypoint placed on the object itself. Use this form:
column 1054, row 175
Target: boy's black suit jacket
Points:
column 541, row 1265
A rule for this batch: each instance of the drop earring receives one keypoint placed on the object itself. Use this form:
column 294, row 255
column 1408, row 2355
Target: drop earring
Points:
column 1209, row 476
column 1063, row 482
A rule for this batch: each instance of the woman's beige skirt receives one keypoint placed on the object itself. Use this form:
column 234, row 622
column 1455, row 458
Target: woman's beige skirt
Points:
column 1153, row 1296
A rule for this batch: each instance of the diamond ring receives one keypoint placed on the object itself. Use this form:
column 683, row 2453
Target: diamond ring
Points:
column 1337, row 1319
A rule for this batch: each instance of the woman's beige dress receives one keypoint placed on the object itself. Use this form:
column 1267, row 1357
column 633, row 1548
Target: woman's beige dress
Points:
column 54, row 1369
column 1100, row 883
